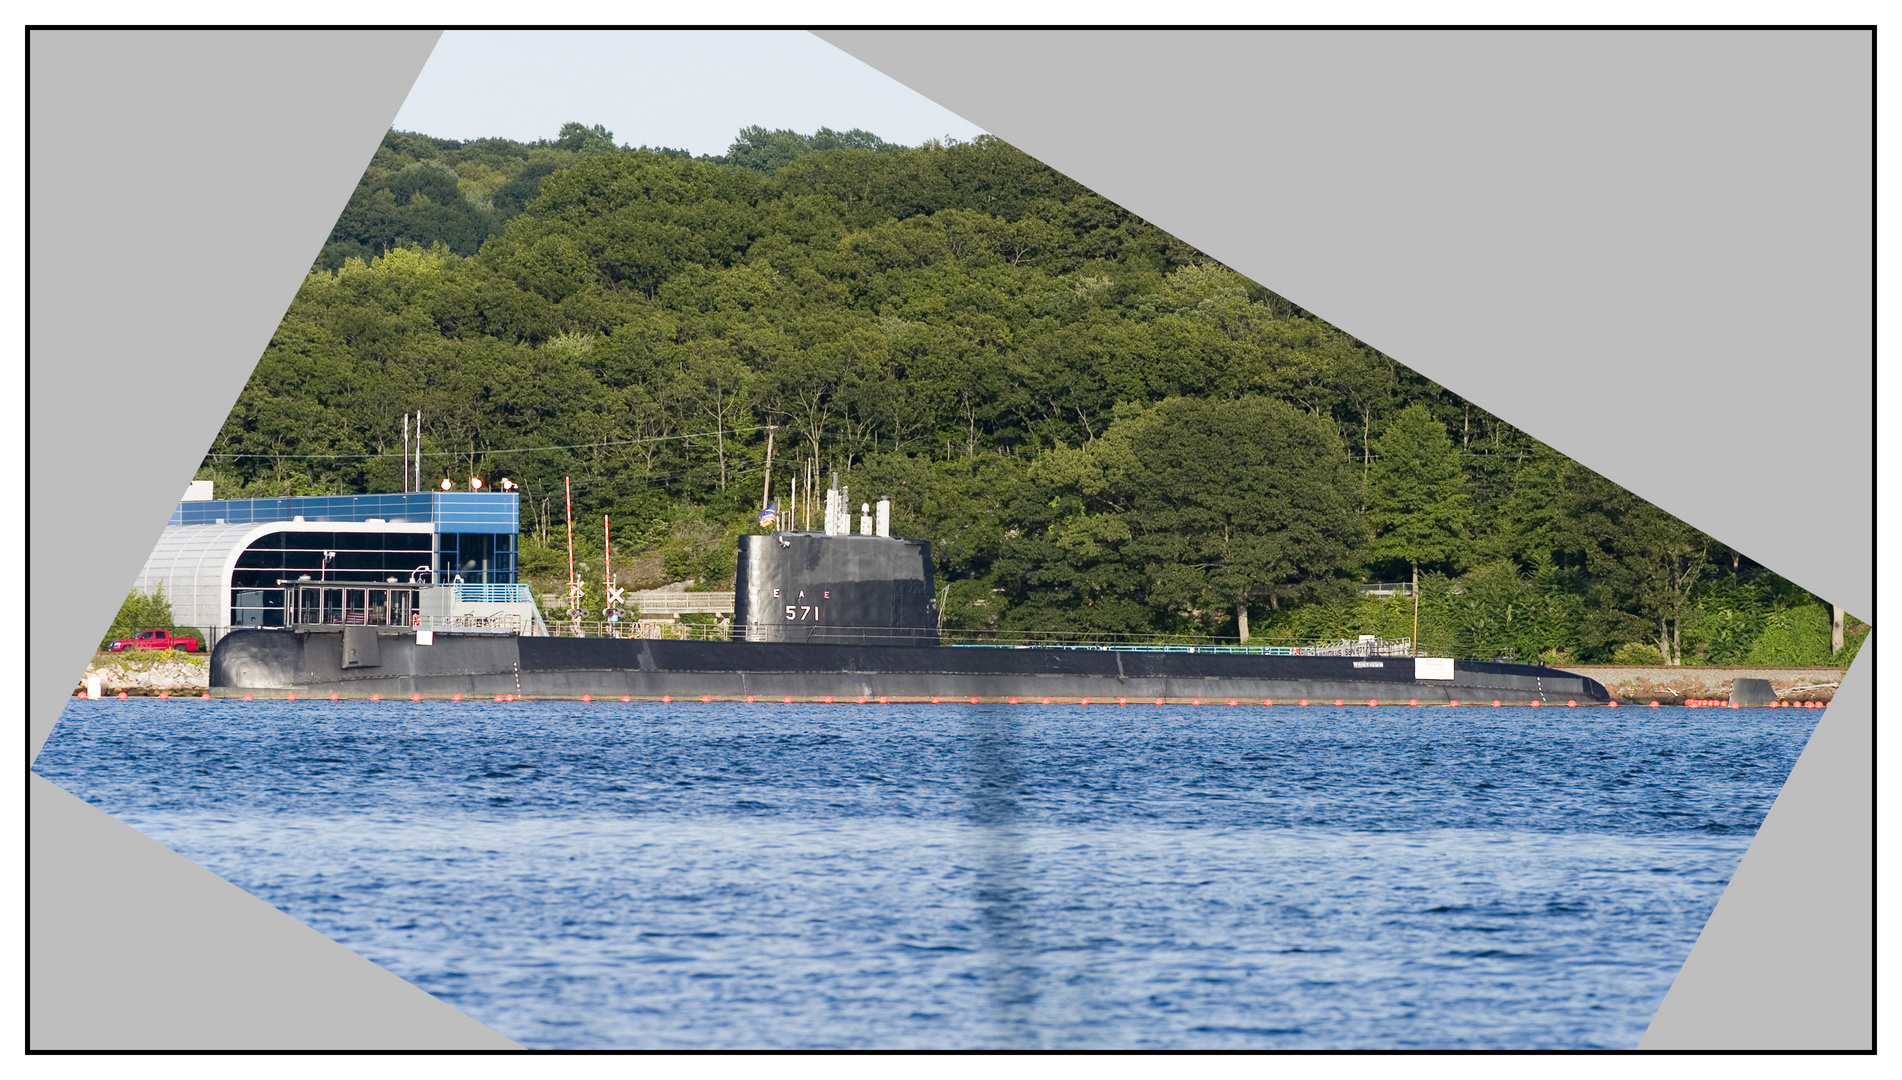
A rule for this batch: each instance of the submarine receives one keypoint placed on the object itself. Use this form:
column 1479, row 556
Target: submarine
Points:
column 832, row 615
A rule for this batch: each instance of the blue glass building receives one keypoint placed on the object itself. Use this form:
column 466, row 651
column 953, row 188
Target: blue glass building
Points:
column 228, row 563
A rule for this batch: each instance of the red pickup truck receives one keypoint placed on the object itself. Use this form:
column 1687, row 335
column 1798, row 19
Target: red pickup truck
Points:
column 155, row 639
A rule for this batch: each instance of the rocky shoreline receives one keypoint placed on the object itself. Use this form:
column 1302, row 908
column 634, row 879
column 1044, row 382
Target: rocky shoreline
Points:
column 1676, row 685
column 148, row 674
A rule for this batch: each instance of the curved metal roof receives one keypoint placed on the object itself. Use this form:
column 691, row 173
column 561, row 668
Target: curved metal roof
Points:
column 193, row 563
column 190, row 562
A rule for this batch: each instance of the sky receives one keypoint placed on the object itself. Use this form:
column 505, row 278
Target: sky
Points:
column 686, row 89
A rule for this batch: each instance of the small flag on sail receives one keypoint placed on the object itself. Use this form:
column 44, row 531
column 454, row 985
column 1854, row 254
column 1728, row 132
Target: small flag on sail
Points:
column 769, row 516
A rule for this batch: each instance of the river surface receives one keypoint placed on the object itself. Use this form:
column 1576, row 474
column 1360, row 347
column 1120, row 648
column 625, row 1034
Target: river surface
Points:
column 683, row 876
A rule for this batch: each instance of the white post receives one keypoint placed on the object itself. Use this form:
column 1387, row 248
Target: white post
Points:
column 884, row 526
column 865, row 519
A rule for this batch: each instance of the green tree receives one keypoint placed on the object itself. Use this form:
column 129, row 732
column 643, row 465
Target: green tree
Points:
column 1417, row 502
column 1643, row 565
column 1233, row 501
column 768, row 151
column 585, row 141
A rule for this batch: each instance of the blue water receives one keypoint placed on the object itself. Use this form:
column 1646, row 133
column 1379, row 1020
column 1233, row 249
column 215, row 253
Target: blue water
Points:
column 845, row 876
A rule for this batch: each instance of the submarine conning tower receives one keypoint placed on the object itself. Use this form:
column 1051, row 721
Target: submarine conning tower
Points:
column 836, row 587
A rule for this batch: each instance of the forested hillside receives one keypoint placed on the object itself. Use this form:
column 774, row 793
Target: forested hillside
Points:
column 1099, row 428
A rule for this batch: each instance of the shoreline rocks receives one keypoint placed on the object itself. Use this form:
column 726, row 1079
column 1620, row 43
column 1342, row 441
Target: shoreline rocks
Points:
column 148, row 674
column 1676, row 685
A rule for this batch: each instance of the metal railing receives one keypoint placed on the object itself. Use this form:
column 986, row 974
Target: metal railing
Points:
column 495, row 624
column 1159, row 644
column 1387, row 588
column 723, row 631
column 668, row 630
column 650, row 629
column 487, row 593
column 659, row 603
column 656, row 603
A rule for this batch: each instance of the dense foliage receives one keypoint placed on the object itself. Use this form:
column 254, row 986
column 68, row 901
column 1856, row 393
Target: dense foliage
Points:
column 1099, row 428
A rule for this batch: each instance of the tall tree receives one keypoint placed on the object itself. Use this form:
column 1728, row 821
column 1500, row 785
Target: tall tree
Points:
column 1234, row 500
column 1417, row 502
column 1643, row 563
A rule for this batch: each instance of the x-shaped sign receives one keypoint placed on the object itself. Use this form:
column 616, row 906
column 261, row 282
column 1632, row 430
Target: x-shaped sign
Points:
column 615, row 595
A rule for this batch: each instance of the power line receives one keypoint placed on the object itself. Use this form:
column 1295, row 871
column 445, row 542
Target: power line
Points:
column 492, row 453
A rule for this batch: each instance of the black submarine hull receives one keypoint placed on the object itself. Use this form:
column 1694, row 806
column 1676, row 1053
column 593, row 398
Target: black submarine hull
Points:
column 358, row 662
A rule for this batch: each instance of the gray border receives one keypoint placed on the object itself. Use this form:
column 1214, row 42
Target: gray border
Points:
column 1609, row 201
column 181, row 183
column 135, row 947
column 1670, row 238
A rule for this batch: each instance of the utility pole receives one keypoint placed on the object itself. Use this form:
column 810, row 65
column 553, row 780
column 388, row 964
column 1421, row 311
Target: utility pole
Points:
column 766, row 495
column 607, row 574
column 1413, row 646
column 1835, row 629
column 405, row 453
column 574, row 583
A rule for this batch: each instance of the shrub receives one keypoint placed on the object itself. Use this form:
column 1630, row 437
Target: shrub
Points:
column 1638, row 654
column 1793, row 637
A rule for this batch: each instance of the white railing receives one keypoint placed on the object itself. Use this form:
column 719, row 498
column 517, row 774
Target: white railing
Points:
column 1386, row 588
column 652, row 629
column 495, row 624
column 657, row 603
